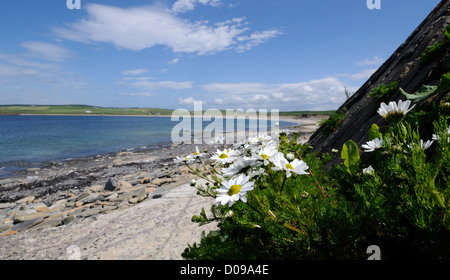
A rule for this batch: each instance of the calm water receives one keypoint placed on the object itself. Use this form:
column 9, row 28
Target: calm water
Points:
column 29, row 141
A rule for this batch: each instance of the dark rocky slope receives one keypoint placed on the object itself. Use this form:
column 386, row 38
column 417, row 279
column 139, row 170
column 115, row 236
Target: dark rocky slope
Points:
column 406, row 67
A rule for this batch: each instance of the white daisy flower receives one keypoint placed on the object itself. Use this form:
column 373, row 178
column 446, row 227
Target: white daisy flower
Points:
column 225, row 156
column 372, row 145
column 438, row 137
column 422, row 145
column 369, row 170
column 395, row 111
column 234, row 190
column 238, row 165
column 265, row 153
column 281, row 163
column 187, row 159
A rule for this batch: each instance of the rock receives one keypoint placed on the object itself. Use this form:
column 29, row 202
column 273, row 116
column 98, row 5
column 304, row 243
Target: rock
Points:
column 161, row 181
column 39, row 207
column 404, row 66
column 27, row 224
column 90, row 212
column 78, row 204
column 49, row 222
column 7, row 205
column 123, row 185
column 68, row 219
column 145, row 180
column 112, row 197
column 42, row 209
column 56, row 208
column 61, row 201
column 11, row 232
column 91, row 198
column 96, row 188
column 25, row 200
column 82, row 196
column 6, row 227
column 27, row 217
column 110, row 185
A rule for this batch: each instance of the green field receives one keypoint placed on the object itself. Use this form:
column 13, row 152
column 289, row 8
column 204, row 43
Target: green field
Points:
column 94, row 110
column 78, row 110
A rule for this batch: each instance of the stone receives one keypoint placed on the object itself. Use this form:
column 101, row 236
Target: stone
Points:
column 49, row 222
column 96, row 188
column 90, row 212
column 112, row 197
column 145, row 180
column 11, row 232
column 25, row 200
column 7, row 205
column 61, row 201
column 27, row 217
column 42, row 209
column 56, row 208
column 161, row 181
column 78, row 204
column 91, row 198
column 27, row 224
column 82, row 196
column 123, row 185
column 110, row 185
column 6, row 227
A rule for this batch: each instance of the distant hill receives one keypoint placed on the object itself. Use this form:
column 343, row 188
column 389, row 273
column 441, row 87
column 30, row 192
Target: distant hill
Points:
column 95, row 110
column 78, row 110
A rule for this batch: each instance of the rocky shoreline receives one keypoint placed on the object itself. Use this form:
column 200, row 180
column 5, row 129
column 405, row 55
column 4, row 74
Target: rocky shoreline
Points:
column 47, row 204
column 70, row 191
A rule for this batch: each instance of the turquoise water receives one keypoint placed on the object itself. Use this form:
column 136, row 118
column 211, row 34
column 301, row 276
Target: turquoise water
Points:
column 30, row 141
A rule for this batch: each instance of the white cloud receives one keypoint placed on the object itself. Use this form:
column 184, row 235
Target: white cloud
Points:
column 182, row 6
column 162, row 84
column 321, row 94
column 134, row 72
column 26, row 81
column 47, row 51
column 173, row 61
column 139, row 28
column 374, row 61
column 186, row 101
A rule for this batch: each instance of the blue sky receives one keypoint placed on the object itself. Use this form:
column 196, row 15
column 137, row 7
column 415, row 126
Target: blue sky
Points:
column 260, row 54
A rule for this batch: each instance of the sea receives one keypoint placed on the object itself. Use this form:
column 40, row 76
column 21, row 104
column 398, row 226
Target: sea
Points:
column 34, row 141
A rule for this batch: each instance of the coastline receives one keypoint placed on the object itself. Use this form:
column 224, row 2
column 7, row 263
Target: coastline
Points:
column 168, row 191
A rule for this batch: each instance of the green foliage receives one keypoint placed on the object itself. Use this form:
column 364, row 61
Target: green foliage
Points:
column 399, row 201
column 374, row 132
column 426, row 91
column 423, row 92
column 350, row 155
column 383, row 91
column 437, row 48
column 333, row 122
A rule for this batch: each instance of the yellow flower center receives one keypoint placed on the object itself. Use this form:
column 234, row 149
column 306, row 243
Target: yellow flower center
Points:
column 289, row 166
column 234, row 190
column 223, row 155
column 264, row 156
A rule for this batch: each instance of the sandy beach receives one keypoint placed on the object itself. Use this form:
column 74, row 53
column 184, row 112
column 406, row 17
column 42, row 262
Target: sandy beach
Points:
column 156, row 225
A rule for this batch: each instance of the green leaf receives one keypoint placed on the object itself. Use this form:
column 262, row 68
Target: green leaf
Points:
column 350, row 155
column 445, row 82
column 423, row 92
column 447, row 31
column 374, row 132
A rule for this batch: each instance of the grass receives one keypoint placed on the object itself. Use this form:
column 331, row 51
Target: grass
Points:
column 95, row 110
column 78, row 110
